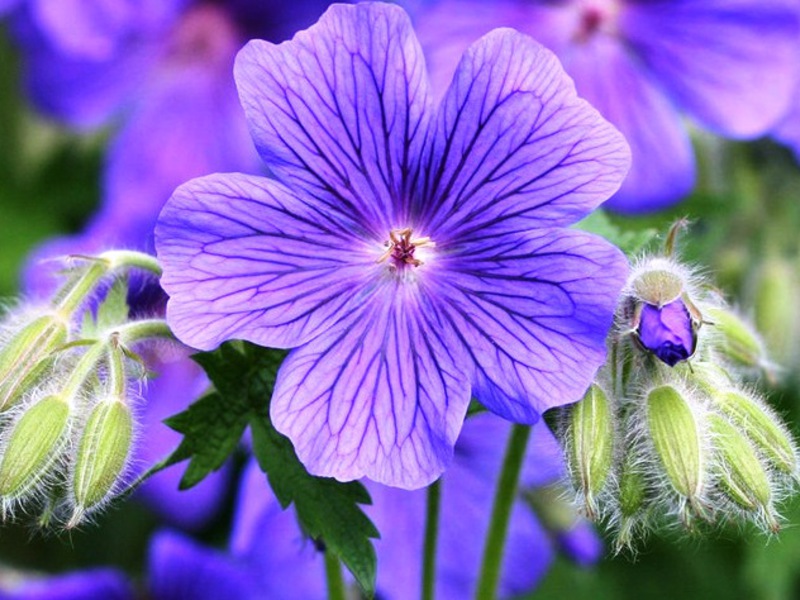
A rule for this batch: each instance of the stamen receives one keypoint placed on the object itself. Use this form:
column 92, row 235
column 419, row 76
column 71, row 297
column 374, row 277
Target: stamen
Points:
column 401, row 248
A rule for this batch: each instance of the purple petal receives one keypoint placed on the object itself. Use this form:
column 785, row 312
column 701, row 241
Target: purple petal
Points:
column 533, row 310
column 515, row 143
column 179, row 569
column 286, row 565
column 80, row 585
column 245, row 257
column 788, row 130
column 98, row 30
column 342, row 110
column 581, row 544
column 467, row 494
column 732, row 64
column 187, row 123
column 178, row 384
column 379, row 394
column 662, row 169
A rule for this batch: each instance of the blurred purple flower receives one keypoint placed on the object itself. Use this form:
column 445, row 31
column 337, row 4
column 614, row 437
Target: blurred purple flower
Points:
column 467, row 493
column 730, row 65
column 667, row 331
column 410, row 258
column 93, row 584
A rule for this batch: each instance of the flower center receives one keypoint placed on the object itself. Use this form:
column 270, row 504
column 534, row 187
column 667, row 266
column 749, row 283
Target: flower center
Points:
column 595, row 16
column 401, row 249
column 205, row 35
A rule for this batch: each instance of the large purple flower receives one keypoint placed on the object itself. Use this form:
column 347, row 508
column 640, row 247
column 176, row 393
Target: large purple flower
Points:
column 412, row 258
column 730, row 65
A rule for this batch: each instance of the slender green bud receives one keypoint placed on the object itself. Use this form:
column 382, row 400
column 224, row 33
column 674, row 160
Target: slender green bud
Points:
column 744, row 479
column 102, row 453
column 35, row 444
column 760, row 426
column 738, row 341
column 590, row 445
column 632, row 497
column 776, row 310
column 28, row 356
column 676, row 436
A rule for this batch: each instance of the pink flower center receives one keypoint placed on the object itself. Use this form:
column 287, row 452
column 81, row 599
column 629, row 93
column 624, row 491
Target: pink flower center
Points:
column 206, row 35
column 402, row 247
column 595, row 16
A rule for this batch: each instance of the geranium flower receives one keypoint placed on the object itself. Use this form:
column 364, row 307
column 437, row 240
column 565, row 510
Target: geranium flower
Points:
column 411, row 258
column 729, row 65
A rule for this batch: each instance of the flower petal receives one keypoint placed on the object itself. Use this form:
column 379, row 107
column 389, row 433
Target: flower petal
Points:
column 533, row 310
column 514, row 142
column 380, row 395
column 662, row 168
column 181, row 568
column 342, row 110
column 730, row 63
column 284, row 562
column 80, row 585
column 244, row 257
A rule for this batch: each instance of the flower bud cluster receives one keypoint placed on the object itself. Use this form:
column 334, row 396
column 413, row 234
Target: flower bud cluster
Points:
column 67, row 375
column 669, row 433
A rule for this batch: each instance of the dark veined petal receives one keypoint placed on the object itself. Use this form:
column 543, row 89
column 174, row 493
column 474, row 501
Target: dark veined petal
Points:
column 533, row 310
column 180, row 568
column 246, row 258
column 662, row 169
column 380, row 396
column 732, row 64
column 515, row 143
column 342, row 110
column 283, row 561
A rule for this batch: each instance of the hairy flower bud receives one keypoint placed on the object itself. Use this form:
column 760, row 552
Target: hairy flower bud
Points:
column 738, row 342
column 631, row 502
column 677, row 438
column 36, row 441
column 776, row 312
column 27, row 357
column 743, row 477
column 590, row 437
column 761, row 427
column 103, row 451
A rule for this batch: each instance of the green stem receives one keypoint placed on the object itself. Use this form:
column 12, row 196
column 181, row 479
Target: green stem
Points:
column 75, row 291
column 333, row 575
column 431, row 535
column 504, row 498
column 128, row 258
column 144, row 329
column 116, row 371
column 82, row 371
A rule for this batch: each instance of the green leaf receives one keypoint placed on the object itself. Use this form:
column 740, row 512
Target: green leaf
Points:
column 630, row 241
column 328, row 510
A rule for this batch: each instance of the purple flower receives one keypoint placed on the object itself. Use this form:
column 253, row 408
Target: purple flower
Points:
column 467, row 493
column 107, row 584
column 667, row 331
column 729, row 65
column 411, row 258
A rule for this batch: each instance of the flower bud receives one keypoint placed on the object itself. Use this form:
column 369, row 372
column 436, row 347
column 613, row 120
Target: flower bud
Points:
column 743, row 478
column 35, row 444
column 667, row 331
column 28, row 356
column 761, row 427
column 776, row 311
column 632, row 496
column 102, row 454
column 738, row 342
column 675, row 432
column 590, row 448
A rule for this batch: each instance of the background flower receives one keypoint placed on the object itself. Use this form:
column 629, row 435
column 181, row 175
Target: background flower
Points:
column 730, row 66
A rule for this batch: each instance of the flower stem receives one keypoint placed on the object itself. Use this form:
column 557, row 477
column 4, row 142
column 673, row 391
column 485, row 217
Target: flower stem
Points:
column 431, row 535
column 501, row 513
column 333, row 574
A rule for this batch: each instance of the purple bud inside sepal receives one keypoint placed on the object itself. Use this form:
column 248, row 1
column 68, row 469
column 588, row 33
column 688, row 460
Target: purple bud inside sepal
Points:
column 667, row 332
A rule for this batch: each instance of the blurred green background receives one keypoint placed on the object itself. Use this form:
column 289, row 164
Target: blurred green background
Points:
column 745, row 215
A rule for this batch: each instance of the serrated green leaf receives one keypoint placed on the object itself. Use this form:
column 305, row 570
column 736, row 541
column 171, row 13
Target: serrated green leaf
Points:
column 630, row 241
column 328, row 510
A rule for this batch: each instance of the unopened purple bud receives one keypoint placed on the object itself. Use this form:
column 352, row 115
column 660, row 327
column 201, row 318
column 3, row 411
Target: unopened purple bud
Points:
column 668, row 332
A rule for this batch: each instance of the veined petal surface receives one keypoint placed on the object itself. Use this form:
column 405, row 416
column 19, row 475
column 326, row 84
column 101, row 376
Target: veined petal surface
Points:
column 342, row 110
column 532, row 310
column 515, row 143
column 381, row 396
column 245, row 257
